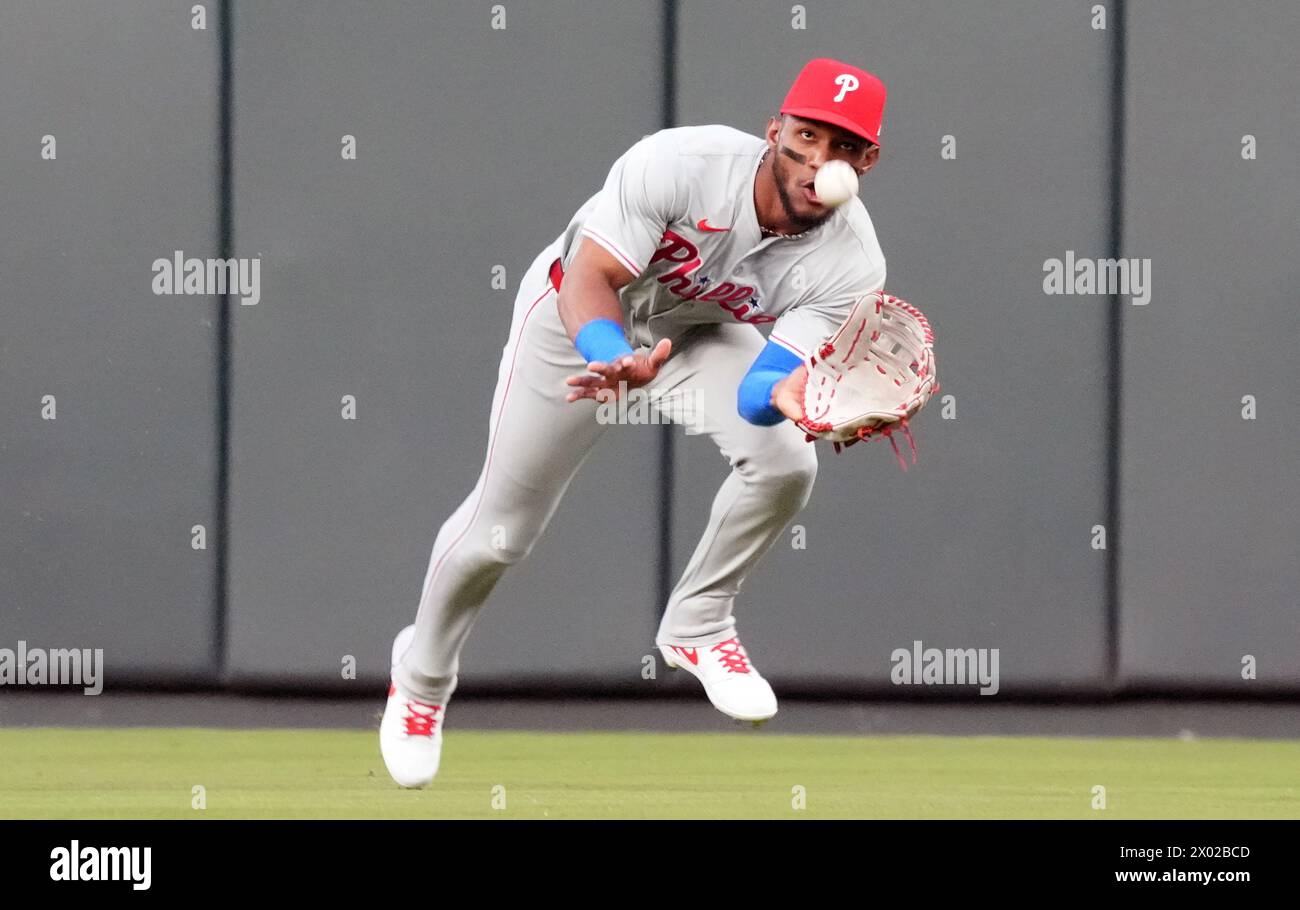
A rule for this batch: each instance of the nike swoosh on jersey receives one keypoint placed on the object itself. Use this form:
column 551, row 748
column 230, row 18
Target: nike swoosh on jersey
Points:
column 704, row 226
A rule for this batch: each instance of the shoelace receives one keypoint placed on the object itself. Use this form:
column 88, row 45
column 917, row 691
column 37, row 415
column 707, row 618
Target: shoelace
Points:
column 732, row 655
column 418, row 724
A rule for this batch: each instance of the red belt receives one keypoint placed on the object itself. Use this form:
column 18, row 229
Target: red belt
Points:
column 557, row 274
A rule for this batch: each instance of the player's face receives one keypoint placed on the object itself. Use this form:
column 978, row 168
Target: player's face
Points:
column 800, row 148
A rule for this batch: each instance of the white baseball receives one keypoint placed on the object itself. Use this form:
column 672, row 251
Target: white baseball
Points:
column 836, row 183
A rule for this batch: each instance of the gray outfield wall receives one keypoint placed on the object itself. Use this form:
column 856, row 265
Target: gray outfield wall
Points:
column 1209, row 502
column 474, row 145
column 108, row 393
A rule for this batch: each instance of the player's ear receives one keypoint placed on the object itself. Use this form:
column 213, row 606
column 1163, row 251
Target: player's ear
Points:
column 870, row 159
column 774, row 129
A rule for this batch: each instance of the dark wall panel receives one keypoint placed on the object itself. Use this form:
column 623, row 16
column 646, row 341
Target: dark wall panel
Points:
column 1210, row 569
column 986, row 543
column 95, row 543
column 475, row 146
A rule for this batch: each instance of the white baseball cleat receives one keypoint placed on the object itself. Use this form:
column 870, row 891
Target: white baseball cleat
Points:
column 732, row 683
column 410, row 735
column 410, row 739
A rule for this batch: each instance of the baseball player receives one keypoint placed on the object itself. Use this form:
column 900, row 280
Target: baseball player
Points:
column 662, row 280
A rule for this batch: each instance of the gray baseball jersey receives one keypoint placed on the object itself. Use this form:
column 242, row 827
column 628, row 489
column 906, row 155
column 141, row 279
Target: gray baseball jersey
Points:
column 677, row 210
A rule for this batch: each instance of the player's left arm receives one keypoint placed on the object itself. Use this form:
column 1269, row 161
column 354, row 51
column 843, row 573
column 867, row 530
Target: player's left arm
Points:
column 773, row 389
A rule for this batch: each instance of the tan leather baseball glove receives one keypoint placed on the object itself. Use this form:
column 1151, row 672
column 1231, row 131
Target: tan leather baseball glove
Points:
column 872, row 376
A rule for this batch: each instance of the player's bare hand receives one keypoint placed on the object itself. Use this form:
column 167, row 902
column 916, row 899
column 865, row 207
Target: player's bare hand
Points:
column 787, row 395
column 629, row 372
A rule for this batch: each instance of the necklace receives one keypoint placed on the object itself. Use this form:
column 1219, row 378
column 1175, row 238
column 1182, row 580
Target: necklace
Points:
column 771, row 233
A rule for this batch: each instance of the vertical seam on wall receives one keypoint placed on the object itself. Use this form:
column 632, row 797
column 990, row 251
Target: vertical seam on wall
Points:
column 667, row 118
column 225, row 243
column 1118, row 86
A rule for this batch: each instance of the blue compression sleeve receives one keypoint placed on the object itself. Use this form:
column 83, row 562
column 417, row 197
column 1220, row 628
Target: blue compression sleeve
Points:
column 602, row 340
column 754, row 397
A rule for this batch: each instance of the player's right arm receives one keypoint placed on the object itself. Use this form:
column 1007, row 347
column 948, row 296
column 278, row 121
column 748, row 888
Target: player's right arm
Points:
column 590, row 288
column 593, row 318
column 641, row 197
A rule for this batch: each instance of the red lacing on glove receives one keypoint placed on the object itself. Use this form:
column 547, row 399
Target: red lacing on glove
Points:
column 418, row 724
column 887, row 431
column 732, row 655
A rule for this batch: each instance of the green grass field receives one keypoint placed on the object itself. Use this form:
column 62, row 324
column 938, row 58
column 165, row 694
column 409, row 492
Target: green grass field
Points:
column 151, row 773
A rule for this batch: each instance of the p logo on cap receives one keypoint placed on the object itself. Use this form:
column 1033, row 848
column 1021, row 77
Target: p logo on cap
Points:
column 838, row 93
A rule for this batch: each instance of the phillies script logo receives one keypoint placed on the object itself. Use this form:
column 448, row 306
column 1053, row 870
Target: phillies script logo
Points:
column 737, row 299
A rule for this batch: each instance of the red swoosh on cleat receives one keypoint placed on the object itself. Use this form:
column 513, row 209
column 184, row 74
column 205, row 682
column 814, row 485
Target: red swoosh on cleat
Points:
column 704, row 226
column 688, row 653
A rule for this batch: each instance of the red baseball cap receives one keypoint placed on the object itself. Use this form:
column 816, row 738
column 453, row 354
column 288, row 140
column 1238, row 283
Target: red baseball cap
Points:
column 838, row 93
